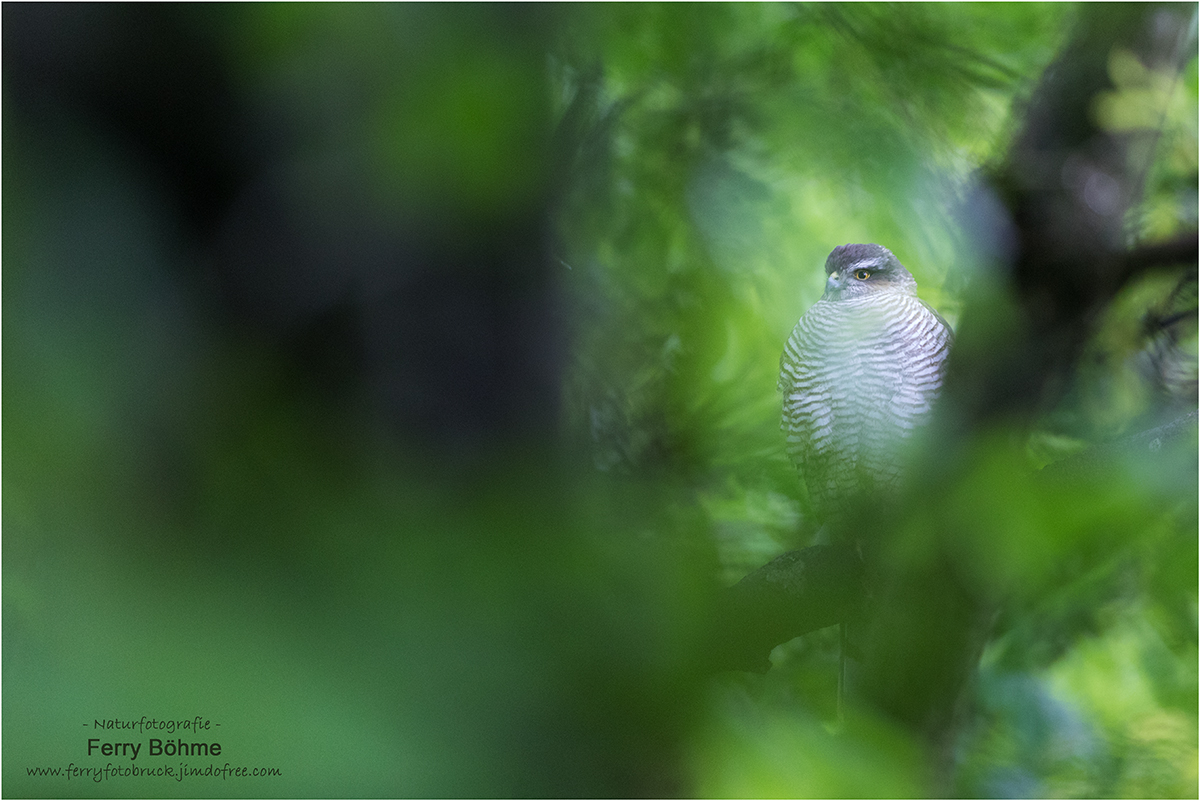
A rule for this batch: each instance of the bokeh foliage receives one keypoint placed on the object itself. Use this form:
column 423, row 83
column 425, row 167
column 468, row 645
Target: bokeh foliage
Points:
column 729, row 149
column 395, row 383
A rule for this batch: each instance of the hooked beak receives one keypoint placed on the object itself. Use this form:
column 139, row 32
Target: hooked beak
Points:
column 834, row 283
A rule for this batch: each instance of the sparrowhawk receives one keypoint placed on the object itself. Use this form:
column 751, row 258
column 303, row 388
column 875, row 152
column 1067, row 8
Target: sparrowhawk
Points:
column 859, row 374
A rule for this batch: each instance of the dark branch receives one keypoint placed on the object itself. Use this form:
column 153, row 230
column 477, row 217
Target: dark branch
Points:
column 793, row 594
column 1184, row 250
column 1100, row 458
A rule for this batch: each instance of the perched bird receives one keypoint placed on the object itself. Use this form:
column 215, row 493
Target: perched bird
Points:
column 859, row 374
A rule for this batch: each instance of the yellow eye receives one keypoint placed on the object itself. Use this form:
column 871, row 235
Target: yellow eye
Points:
column 862, row 275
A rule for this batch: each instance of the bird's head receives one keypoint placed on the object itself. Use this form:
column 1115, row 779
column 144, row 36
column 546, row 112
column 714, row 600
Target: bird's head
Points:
column 858, row 271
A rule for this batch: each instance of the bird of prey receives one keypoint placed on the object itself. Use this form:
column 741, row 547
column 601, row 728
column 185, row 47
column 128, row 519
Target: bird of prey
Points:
column 859, row 374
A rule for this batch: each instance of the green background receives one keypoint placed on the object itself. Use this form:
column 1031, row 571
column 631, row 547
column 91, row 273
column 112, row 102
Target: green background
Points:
column 193, row 526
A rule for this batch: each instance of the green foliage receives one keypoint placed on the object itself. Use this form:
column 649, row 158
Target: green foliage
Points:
column 731, row 148
column 728, row 149
column 185, row 530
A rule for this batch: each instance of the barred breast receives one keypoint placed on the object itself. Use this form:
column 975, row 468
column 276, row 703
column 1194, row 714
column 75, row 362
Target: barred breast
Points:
column 857, row 378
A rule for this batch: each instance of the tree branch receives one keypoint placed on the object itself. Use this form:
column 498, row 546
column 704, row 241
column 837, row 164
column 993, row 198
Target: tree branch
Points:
column 1183, row 250
column 793, row 594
